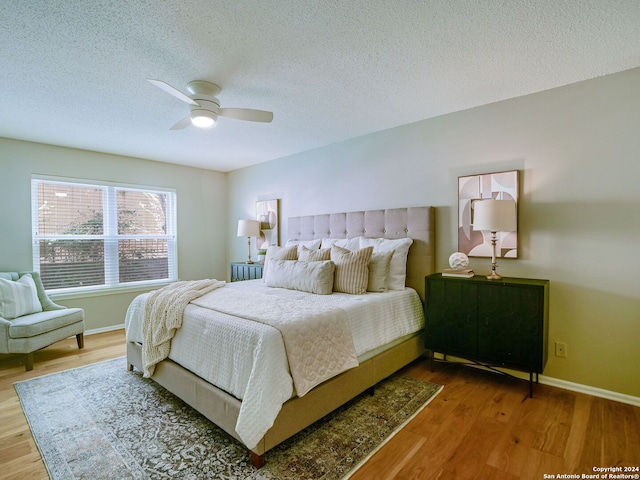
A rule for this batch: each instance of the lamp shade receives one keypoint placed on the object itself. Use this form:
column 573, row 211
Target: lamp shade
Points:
column 494, row 215
column 248, row 228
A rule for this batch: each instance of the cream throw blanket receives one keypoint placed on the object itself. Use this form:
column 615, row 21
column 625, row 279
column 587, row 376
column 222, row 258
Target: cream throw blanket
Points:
column 163, row 316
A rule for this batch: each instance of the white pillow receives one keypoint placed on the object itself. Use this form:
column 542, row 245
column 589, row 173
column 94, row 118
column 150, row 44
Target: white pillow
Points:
column 278, row 253
column 379, row 271
column 312, row 277
column 310, row 244
column 352, row 269
column 348, row 243
column 18, row 298
column 398, row 267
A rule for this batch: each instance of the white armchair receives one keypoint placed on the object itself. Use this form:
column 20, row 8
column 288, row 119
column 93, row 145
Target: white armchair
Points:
column 32, row 331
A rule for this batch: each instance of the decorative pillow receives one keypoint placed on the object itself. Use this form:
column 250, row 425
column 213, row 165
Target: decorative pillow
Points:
column 18, row 298
column 348, row 243
column 307, row 255
column 312, row 277
column 279, row 253
column 352, row 269
column 310, row 244
column 398, row 268
column 379, row 271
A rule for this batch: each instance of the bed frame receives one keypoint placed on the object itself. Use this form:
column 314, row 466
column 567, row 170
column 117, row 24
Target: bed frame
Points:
column 299, row 412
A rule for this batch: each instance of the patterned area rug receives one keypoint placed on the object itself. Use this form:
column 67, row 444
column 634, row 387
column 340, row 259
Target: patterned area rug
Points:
column 103, row 422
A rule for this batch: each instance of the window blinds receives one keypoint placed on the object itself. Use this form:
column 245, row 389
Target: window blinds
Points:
column 89, row 235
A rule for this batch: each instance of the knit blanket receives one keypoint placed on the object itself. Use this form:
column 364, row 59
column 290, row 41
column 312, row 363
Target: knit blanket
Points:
column 163, row 316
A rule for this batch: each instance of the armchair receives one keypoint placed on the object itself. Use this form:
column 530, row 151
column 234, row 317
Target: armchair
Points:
column 27, row 333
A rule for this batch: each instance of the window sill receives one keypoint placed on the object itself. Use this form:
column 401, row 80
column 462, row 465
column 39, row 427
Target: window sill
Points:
column 100, row 292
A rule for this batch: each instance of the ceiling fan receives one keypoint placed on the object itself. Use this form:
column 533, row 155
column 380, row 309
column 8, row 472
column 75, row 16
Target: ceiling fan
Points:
column 205, row 107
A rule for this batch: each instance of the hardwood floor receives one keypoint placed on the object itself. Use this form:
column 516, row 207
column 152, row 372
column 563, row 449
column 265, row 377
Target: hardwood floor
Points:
column 481, row 426
column 485, row 426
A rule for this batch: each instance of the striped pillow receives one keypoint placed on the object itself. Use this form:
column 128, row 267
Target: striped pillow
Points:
column 18, row 298
column 307, row 255
column 352, row 269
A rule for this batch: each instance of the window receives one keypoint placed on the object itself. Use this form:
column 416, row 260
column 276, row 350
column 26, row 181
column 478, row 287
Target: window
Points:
column 89, row 235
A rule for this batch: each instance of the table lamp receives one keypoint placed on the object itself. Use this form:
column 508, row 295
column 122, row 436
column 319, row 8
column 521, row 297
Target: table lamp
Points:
column 494, row 216
column 248, row 228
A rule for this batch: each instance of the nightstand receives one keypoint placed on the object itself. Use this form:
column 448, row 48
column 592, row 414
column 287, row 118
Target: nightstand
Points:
column 245, row 271
column 494, row 323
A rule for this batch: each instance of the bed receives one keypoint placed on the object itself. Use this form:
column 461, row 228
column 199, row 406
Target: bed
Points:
column 211, row 388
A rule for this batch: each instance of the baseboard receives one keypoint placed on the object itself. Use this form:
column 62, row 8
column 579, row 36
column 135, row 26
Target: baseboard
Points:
column 596, row 392
column 104, row 329
column 556, row 382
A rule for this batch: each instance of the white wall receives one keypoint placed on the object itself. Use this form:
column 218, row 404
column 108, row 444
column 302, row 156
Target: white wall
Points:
column 201, row 202
column 578, row 150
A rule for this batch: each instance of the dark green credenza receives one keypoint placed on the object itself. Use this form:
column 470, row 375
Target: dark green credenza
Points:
column 494, row 323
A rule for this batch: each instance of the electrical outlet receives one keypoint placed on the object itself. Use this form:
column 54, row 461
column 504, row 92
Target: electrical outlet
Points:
column 561, row 349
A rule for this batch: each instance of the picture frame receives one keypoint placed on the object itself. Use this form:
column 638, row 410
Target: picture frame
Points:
column 267, row 213
column 471, row 188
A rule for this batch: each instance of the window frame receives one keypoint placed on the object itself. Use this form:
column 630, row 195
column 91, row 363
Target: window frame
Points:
column 110, row 235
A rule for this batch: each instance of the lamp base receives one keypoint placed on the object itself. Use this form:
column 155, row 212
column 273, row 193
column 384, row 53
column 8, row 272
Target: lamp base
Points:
column 249, row 261
column 493, row 275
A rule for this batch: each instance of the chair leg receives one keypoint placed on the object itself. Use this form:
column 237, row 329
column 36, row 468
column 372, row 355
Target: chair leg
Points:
column 28, row 362
column 80, row 340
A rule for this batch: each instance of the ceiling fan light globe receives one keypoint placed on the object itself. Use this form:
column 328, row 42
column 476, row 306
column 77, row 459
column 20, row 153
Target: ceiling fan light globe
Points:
column 203, row 122
column 203, row 118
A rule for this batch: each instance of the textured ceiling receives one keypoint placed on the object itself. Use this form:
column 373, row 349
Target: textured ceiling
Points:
column 73, row 73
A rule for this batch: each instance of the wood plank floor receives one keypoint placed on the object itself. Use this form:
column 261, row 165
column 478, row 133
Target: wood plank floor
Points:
column 481, row 426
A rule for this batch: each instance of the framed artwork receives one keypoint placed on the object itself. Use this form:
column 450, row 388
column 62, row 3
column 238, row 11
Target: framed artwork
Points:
column 267, row 215
column 499, row 186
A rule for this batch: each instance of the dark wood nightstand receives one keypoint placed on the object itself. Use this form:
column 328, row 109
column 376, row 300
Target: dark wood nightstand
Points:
column 494, row 323
column 245, row 271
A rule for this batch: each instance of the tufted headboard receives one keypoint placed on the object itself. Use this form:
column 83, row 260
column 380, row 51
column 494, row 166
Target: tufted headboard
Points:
column 413, row 222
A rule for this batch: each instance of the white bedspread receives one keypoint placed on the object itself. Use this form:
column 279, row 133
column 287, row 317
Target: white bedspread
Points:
column 247, row 359
column 316, row 336
column 163, row 316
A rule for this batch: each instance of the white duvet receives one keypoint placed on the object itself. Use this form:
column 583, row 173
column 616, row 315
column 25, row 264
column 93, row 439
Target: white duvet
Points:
column 248, row 360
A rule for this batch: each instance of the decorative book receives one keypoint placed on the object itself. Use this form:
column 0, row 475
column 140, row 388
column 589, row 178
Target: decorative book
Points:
column 458, row 272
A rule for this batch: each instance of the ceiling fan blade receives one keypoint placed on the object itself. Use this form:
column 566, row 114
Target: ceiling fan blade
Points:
column 172, row 91
column 247, row 114
column 180, row 124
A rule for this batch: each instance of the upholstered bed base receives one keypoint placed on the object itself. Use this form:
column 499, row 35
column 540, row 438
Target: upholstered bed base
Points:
column 297, row 413
column 300, row 412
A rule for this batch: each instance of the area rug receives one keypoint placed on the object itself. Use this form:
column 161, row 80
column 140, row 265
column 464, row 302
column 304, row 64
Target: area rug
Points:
column 104, row 422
